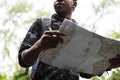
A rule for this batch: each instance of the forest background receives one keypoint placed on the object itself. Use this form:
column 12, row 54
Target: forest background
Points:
column 16, row 16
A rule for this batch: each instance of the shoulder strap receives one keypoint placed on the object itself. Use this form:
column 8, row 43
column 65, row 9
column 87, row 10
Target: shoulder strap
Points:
column 46, row 22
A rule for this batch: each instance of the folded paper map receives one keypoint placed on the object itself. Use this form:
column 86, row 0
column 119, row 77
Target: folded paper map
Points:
column 82, row 50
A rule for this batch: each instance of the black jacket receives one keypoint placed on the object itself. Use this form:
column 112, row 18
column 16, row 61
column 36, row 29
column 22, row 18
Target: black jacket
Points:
column 44, row 71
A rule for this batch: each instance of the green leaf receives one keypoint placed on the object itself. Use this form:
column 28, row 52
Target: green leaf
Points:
column 20, row 7
column 114, row 35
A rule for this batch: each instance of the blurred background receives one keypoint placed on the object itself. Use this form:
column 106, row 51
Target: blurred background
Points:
column 16, row 16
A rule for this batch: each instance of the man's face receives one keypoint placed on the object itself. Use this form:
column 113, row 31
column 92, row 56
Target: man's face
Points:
column 64, row 7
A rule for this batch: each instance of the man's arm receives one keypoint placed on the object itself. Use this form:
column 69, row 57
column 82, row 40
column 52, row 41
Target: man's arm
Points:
column 49, row 39
column 115, row 62
column 33, row 34
column 33, row 43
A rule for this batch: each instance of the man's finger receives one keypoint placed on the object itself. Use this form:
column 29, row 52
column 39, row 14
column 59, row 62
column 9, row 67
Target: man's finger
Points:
column 55, row 32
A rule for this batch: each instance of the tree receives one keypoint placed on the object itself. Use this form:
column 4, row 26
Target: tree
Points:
column 15, row 20
column 102, row 10
column 115, row 75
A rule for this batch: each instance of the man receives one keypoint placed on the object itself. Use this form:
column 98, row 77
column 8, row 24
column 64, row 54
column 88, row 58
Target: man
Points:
column 38, row 39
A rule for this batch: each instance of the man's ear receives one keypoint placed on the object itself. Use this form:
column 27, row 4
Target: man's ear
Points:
column 74, row 6
column 75, row 3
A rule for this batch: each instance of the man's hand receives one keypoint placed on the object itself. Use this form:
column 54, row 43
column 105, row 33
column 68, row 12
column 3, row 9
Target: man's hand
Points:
column 115, row 62
column 50, row 39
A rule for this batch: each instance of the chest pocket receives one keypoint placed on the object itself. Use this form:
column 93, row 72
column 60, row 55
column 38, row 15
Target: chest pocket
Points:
column 46, row 22
column 50, row 23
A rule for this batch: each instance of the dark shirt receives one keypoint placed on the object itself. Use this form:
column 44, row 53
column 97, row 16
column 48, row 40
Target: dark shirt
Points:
column 45, row 71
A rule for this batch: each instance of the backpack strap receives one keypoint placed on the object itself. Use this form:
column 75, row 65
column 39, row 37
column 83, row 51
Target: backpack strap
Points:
column 46, row 22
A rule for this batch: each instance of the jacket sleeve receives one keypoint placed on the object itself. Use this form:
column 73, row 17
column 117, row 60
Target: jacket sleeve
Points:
column 33, row 34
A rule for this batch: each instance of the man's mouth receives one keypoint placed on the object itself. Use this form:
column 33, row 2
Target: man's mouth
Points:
column 59, row 5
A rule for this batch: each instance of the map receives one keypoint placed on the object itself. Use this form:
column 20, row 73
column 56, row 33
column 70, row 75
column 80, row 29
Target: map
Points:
column 82, row 50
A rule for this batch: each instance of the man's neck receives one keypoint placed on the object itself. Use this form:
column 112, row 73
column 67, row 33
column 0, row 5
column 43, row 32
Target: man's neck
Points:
column 66, row 16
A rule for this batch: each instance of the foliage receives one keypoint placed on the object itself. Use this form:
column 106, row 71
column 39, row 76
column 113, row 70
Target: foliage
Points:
column 20, row 7
column 115, row 35
column 101, row 10
column 15, row 20
column 14, row 12
column 98, row 78
column 115, row 75
column 103, row 5
column 94, row 78
column 18, row 75
column 17, row 17
column 3, row 76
